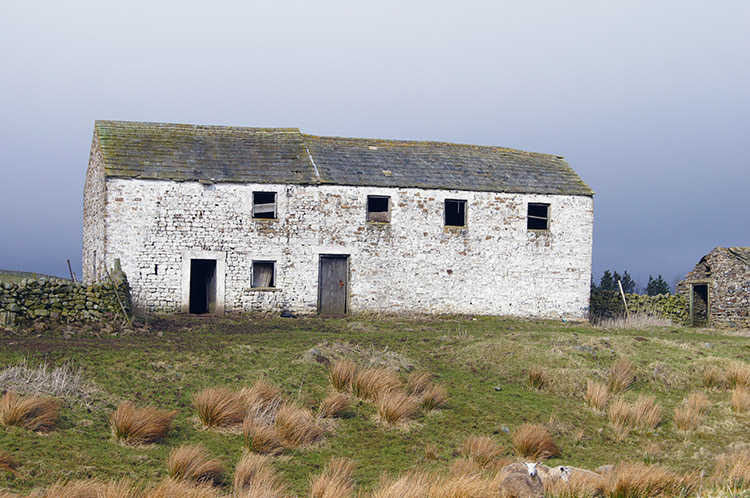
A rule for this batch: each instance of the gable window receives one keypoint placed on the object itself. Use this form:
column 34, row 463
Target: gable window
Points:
column 264, row 274
column 378, row 209
column 264, row 205
column 538, row 216
column 455, row 213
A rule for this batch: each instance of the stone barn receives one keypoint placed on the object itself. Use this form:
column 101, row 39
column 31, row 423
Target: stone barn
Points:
column 208, row 219
column 718, row 289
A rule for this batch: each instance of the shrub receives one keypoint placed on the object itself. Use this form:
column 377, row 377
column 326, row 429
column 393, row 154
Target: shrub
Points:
column 342, row 375
column 369, row 383
column 733, row 470
column 35, row 413
column 297, row 426
column 336, row 481
column 193, row 463
column 740, row 399
column 649, row 481
column 621, row 375
column 538, row 377
column 534, row 441
column 169, row 488
column 396, row 407
column 255, row 474
column 433, row 398
column 219, row 407
column 8, row 464
column 334, row 405
column 596, row 394
column 418, row 382
column 481, row 449
column 133, row 425
column 714, row 377
column 261, row 438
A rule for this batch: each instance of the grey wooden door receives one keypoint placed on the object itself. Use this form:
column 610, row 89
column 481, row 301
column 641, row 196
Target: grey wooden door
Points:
column 333, row 285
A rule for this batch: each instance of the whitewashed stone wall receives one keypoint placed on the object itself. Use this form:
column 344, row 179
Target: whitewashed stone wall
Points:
column 493, row 266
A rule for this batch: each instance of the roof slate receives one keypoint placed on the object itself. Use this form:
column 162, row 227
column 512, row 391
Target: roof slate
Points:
column 163, row 151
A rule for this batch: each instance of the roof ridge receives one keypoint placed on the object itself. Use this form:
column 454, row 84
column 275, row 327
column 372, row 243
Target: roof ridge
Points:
column 154, row 124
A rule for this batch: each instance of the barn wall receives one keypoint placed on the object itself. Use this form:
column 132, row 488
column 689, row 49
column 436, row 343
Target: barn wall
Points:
column 493, row 266
column 94, row 204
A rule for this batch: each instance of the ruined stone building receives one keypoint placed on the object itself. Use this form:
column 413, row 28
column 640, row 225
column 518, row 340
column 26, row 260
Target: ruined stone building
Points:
column 208, row 219
column 718, row 288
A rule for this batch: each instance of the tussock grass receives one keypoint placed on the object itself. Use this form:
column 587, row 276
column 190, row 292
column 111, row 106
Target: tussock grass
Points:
column 262, row 399
column 261, row 438
column 579, row 485
column 411, row 485
column 634, row 322
column 370, row 382
column 336, row 481
column 342, row 375
column 44, row 380
column 193, row 463
column 740, row 399
column 597, row 394
column 461, row 466
column 219, row 407
column 334, row 405
column 621, row 375
column 418, row 382
column 35, row 413
column 74, row 489
column 642, row 480
column 534, row 441
column 296, row 426
column 8, row 464
column 646, row 412
column 431, row 452
column 733, row 470
column 395, row 407
column 433, row 397
column 254, row 476
column 738, row 375
column 538, row 377
column 619, row 417
column 688, row 414
column 714, row 378
column 698, row 402
column 131, row 425
column 170, row 488
column 483, row 450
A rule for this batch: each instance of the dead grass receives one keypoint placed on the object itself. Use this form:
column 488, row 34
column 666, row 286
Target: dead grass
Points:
column 342, row 375
column 8, row 464
column 642, row 480
column 733, row 470
column 62, row 382
column 131, row 425
column 740, row 399
column 193, row 463
column 483, row 450
column 35, row 413
column 535, row 442
column 637, row 322
column 74, row 489
column 370, row 382
column 461, row 466
column 698, row 402
column 334, row 405
column 254, row 474
column 646, row 412
column 619, row 416
column 688, row 414
column 219, row 407
column 336, row 481
column 418, row 382
column 538, row 377
column 262, row 399
column 431, row 452
column 396, row 407
column 261, row 438
column 170, row 488
column 738, row 375
column 714, row 378
column 621, row 375
column 579, row 485
column 597, row 394
column 433, row 397
column 296, row 426
column 411, row 485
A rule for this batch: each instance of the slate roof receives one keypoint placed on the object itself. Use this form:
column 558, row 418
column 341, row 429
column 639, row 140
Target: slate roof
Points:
column 178, row 152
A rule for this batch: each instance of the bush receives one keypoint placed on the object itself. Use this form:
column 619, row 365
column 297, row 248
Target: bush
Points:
column 219, row 407
column 133, row 425
column 193, row 463
column 535, row 442
column 35, row 413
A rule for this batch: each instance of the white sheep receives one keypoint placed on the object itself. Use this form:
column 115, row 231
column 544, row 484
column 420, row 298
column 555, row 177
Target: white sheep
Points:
column 525, row 484
column 548, row 475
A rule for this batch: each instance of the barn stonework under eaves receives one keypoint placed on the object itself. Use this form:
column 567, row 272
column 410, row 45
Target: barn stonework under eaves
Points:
column 213, row 219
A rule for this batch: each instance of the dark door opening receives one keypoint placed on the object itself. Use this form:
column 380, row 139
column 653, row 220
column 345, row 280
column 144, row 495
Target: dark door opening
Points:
column 202, row 286
column 699, row 305
column 333, row 285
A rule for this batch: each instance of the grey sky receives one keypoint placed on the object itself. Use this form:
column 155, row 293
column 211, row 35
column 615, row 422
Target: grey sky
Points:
column 648, row 101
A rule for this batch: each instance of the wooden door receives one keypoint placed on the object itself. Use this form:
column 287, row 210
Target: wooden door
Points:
column 333, row 285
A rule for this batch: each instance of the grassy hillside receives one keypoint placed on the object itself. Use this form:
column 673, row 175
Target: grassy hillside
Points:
column 17, row 276
column 483, row 363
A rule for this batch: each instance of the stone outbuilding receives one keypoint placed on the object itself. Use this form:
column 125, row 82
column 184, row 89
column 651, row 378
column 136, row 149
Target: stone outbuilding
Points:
column 718, row 289
column 208, row 219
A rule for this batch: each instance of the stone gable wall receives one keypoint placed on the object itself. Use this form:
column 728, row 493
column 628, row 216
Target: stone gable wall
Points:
column 412, row 264
column 94, row 204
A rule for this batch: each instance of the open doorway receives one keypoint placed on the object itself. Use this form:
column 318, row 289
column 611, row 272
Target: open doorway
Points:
column 202, row 286
column 699, row 306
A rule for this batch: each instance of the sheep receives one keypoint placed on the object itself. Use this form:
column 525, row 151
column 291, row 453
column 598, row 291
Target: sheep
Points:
column 548, row 475
column 525, row 484
column 587, row 479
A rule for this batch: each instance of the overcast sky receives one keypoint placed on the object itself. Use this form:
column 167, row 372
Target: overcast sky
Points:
column 649, row 101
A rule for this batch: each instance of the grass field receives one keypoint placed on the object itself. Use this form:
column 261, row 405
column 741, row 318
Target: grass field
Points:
column 16, row 276
column 483, row 363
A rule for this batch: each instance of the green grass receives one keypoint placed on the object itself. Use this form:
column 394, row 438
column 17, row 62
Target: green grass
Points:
column 482, row 362
column 12, row 276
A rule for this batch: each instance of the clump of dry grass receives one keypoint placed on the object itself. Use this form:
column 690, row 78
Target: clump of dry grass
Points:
column 714, row 377
column 619, row 416
column 733, row 470
column 296, row 426
column 262, row 399
column 579, row 485
column 634, row 322
column 336, row 481
column 688, row 414
column 8, row 464
column 649, row 481
column 534, row 441
column 738, row 374
column 219, row 407
column 131, row 425
column 596, row 394
column 170, row 488
column 740, row 399
column 261, row 438
column 342, row 375
column 334, row 405
column 370, row 382
column 193, row 463
column 433, row 397
column 646, row 412
column 465, row 466
column 538, row 377
column 698, row 402
column 418, row 382
column 395, row 407
column 74, row 489
column 431, row 452
column 481, row 449
column 621, row 375
column 411, row 485
column 35, row 413
column 254, row 474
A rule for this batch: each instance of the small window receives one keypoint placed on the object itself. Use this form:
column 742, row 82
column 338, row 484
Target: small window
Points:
column 264, row 274
column 264, row 205
column 455, row 213
column 378, row 209
column 538, row 218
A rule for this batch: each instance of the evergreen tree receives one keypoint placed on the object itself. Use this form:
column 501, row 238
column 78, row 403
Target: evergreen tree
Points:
column 657, row 286
column 607, row 282
column 628, row 284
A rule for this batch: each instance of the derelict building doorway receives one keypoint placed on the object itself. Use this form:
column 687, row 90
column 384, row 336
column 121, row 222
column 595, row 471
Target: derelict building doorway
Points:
column 202, row 286
column 699, row 305
column 333, row 285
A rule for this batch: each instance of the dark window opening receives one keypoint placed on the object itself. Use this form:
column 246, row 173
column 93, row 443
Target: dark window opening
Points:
column 377, row 209
column 263, row 274
column 455, row 213
column 699, row 305
column 156, row 269
column 202, row 286
column 264, row 205
column 538, row 218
